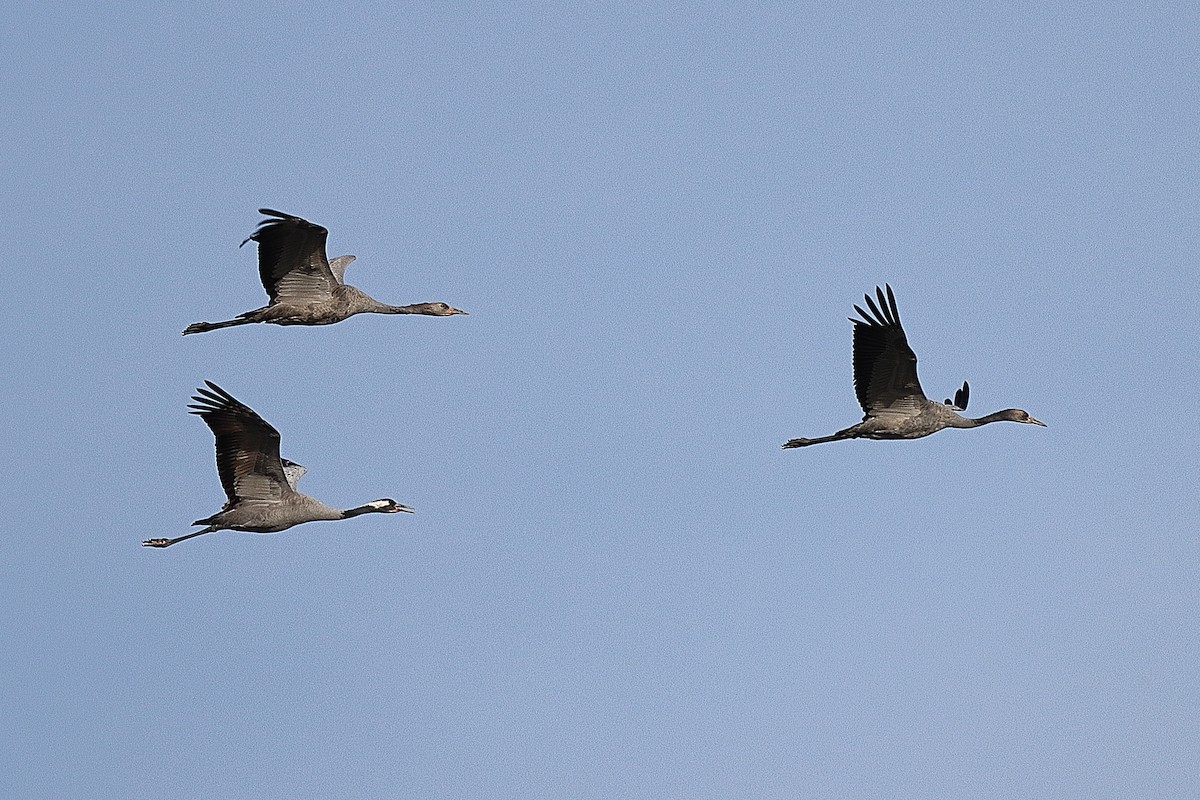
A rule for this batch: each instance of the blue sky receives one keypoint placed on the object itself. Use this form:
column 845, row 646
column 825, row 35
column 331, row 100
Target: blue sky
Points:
column 616, row 583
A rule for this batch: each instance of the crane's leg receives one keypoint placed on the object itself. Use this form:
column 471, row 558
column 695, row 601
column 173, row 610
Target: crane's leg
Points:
column 848, row 433
column 205, row 327
column 177, row 540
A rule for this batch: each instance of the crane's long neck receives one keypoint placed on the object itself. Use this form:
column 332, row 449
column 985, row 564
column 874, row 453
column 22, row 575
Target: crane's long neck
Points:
column 415, row 308
column 373, row 507
column 354, row 512
column 998, row 416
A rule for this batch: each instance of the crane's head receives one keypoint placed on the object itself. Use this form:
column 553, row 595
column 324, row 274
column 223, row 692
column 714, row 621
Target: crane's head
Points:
column 388, row 506
column 439, row 309
column 1019, row 415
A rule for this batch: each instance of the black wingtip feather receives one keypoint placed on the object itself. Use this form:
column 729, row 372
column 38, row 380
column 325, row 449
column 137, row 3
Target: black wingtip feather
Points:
column 887, row 315
column 211, row 398
column 270, row 212
column 280, row 222
column 892, row 304
column 883, row 309
column 879, row 317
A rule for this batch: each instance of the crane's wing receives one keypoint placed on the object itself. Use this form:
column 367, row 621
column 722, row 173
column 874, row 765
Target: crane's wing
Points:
column 338, row 267
column 291, row 259
column 247, row 447
column 885, row 367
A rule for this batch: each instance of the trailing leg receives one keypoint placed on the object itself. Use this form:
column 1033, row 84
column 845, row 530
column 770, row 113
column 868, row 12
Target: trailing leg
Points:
column 178, row 539
column 242, row 319
column 847, row 433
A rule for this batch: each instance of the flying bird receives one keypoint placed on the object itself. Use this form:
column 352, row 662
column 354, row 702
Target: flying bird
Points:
column 260, row 486
column 305, row 287
column 885, row 380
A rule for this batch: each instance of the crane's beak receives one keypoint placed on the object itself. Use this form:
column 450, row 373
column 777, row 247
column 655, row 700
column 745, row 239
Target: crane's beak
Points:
column 454, row 311
column 1033, row 421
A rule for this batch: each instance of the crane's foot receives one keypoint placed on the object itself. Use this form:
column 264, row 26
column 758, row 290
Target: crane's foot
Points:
column 156, row 543
column 790, row 443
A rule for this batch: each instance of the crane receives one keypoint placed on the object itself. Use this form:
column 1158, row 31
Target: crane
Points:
column 260, row 487
column 304, row 286
column 885, row 380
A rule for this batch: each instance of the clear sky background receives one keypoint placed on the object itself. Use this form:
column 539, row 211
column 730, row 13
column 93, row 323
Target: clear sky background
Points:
column 616, row 583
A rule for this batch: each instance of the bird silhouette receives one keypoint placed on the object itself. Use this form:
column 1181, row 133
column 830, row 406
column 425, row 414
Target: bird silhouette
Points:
column 260, row 487
column 885, row 380
column 305, row 287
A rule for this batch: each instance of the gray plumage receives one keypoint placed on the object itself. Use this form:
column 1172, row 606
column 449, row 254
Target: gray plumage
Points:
column 304, row 286
column 260, row 487
column 293, row 471
column 885, row 380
